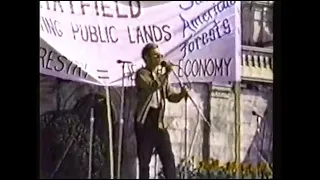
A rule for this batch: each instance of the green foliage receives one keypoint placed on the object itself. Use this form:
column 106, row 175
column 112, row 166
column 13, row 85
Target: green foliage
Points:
column 213, row 170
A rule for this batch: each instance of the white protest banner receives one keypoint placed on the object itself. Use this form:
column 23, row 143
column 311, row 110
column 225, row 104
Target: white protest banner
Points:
column 202, row 37
column 52, row 63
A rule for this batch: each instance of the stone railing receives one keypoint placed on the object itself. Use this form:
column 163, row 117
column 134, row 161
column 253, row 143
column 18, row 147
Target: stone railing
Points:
column 257, row 64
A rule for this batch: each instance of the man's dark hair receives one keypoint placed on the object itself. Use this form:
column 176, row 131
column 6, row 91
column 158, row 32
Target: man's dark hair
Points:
column 146, row 49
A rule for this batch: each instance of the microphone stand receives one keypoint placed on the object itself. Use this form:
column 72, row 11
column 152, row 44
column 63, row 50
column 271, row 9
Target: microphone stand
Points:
column 185, row 128
column 192, row 101
column 259, row 126
column 121, row 122
column 186, row 137
column 198, row 109
column 110, row 133
column 260, row 150
column 90, row 143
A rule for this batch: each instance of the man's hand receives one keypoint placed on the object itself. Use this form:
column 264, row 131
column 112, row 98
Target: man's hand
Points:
column 169, row 69
column 184, row 92
column 167, row 66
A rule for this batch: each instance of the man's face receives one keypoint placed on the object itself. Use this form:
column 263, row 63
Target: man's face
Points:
column 154, row 57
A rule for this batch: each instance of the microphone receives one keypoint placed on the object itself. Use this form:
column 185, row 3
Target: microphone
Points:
column 124, row 62
column 256, row 114
column 164, row 64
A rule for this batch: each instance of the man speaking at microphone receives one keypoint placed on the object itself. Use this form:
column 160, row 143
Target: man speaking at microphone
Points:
column 153, row 88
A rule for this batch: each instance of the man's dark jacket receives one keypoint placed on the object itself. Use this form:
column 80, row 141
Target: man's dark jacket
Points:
column 146, row 86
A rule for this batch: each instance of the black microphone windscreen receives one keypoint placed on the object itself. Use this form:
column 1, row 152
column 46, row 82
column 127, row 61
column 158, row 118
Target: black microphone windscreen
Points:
column 254, row 113
column 163, row 63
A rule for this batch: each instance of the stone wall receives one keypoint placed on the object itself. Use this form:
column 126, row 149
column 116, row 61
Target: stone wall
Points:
column 216, row 103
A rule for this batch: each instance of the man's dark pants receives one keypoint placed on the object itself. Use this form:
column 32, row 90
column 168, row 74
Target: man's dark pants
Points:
column 149, row 136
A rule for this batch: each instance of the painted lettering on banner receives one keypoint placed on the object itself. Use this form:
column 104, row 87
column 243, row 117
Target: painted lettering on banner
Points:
column 216, row 67
column 51, row 61
column 97, row 8
column 54, row 64
column 98, row 33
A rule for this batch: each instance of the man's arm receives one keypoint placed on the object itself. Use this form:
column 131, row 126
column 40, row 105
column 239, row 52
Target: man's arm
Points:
column 174, row 97
column 144, row 80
